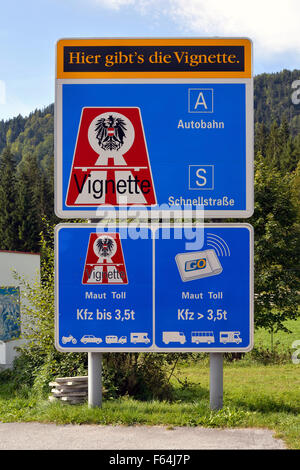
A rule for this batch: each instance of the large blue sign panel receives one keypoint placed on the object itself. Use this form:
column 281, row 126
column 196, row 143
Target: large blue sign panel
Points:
column 134, row 288
column 152, row 144
column 105, row 292
column 210, row 290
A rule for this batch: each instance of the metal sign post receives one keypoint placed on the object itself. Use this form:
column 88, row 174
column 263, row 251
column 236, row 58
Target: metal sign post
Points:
column 95, row 361
column 216, row 377
column 216, row 381
column 94, row 379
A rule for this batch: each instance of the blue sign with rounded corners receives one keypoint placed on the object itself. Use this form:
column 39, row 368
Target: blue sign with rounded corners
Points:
column 159, row 288
column 156, row 144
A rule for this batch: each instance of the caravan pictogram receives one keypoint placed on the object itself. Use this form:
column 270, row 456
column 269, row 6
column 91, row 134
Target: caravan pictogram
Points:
column 104, row 262
column 111, row 163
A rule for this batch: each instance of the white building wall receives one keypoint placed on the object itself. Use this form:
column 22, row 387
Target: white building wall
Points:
column 27, row 265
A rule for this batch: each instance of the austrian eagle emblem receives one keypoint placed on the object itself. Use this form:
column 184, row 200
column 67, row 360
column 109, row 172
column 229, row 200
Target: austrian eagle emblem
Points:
column 110, row 132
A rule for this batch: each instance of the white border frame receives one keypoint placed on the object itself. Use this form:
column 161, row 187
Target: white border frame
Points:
column 153, row 228
column 87, row 214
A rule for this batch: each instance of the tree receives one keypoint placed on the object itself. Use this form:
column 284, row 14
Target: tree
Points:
column 296, row 189
column 9, row 239
column 277, row 249
column 289, row 156
column 261, row 138
column 274, row 146
column 29, row 203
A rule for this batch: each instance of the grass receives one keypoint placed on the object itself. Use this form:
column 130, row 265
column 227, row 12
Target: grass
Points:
column 255, row 395
column 283, row 341
column 266, row 396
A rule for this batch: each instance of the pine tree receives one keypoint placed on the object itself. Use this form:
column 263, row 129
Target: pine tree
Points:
column 284, row 131
column 9, row 239
column 30, row 203
column 274, row 147
column 261, row 139
column 289, row 157
column 296, row 191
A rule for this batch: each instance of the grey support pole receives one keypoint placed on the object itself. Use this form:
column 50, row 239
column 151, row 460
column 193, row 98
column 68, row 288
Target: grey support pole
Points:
column 216, row 381
column 94, row 371
column 94, row 379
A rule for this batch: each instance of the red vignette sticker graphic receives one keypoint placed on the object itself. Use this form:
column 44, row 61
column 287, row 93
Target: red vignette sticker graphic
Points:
column 110, row 163
column 104, row 262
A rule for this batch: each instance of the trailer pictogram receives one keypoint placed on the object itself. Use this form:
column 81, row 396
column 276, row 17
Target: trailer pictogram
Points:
column 104, row 262
column 111, row 163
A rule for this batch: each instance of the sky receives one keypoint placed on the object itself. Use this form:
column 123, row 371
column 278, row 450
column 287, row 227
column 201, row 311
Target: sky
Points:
column 29, row 31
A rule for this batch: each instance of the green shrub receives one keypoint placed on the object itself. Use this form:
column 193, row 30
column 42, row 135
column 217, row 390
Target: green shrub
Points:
column 266, row 356
column 141, row 375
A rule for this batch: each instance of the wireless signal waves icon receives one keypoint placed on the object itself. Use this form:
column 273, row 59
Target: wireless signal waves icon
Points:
column 104, row 262
column 110, row 164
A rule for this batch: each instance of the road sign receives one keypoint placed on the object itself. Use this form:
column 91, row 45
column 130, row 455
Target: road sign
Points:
column 210, row 301
column 100, row 174
column 104, row 296
column 134, row 288
column 154, row 124
column 104, row 262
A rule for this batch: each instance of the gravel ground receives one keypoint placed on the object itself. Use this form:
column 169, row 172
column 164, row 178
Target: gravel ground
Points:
column 38, row 436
